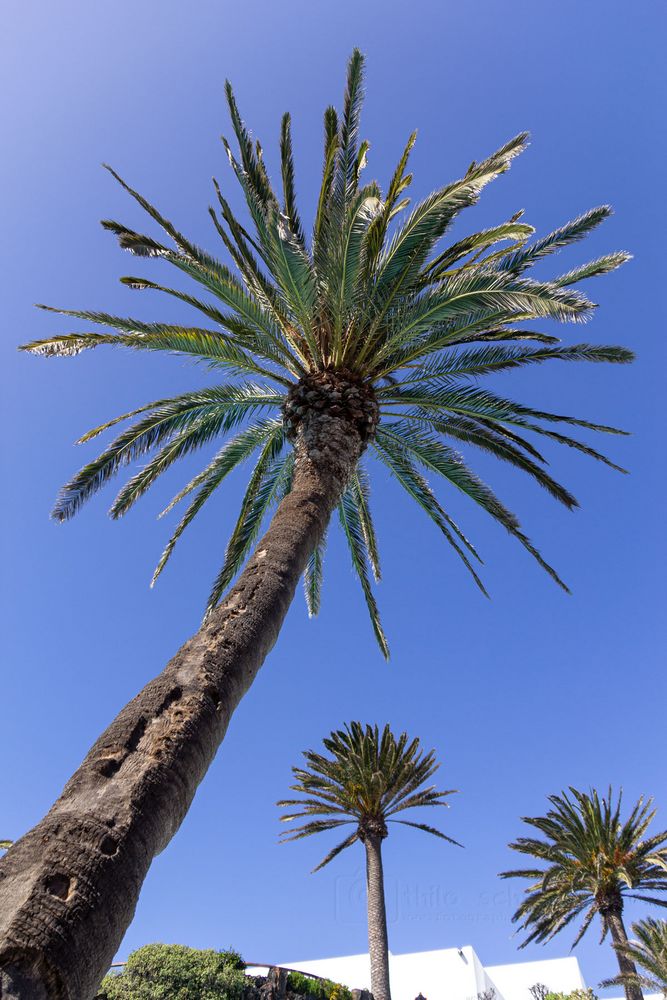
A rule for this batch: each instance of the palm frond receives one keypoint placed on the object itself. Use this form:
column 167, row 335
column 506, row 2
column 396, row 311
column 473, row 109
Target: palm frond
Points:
column 312, row 580
column 351, row 522
column 205, row 482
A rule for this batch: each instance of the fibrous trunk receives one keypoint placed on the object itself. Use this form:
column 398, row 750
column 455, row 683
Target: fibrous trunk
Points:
column 69, row 887
column 614, row 921
column 378, row 944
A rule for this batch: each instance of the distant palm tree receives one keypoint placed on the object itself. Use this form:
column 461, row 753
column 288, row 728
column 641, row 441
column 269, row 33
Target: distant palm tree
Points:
column 368, row 778
column 5, row 845
column 370, row 337
column 593, row 861
column 649, row 951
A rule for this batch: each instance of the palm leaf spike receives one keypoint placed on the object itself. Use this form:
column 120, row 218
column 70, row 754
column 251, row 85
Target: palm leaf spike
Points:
column 312, row 580
column 287, row 167
column 389, row 331
column 400, row 181
column 331, row 143
column 365, row 779
column 590, row 861
column 346, row 168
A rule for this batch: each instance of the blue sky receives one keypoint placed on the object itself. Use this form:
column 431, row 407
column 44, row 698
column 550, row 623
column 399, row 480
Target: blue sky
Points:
column 519, row 696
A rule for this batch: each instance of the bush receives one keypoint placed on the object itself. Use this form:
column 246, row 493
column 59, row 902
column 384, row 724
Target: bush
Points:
column 174, row 972
column 586, row 994
column 316, row 989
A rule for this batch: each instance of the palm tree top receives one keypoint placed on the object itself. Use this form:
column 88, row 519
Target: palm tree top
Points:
column 649, row 951
column 371, row 318
column 367, row 778
column 592, row 859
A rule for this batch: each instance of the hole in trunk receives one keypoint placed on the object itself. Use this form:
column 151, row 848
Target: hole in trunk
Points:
column 174, row 695
column 108, row 846
column 58, row 885
column 136, row 734
column 214, row 695
column 108, row 767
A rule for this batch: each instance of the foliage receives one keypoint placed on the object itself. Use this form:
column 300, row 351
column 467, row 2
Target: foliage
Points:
column 538, row 991
column 368, row 779
column 175, row 972
column 373, row 293
column 316, row 989
column 584, row 994
column 592, row 858
column 649, row 951
column 5, row 844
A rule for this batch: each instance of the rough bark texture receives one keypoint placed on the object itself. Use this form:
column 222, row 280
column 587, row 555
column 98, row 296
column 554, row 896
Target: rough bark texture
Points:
column 378, row 944
column 69, row 887
column 614, row 921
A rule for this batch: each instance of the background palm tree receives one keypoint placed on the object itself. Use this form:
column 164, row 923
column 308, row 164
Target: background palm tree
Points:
column 368, row 778
column 5, row 845
column 371, row 334
column 593, row 861
column 649, row 951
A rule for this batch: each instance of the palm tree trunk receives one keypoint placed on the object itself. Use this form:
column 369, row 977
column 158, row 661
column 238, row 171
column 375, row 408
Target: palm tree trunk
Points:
column 378, row 945
column 614, row 921
column 69, row 887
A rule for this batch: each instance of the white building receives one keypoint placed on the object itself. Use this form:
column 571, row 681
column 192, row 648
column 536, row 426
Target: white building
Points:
column 451, row 974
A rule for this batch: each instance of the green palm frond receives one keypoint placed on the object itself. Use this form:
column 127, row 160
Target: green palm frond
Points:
column 289, row 191
column 351, row 522
column 261, row 492
column 375, row 295
column 365, row 777
column 206, row 482
column 312, row 580
column 592, row 860
column 649, row 951
column 571, row 232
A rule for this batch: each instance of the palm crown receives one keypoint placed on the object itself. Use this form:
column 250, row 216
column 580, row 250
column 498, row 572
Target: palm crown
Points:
column 371, row 318
column 649, row 950
column 368, row 778
column 592, row 859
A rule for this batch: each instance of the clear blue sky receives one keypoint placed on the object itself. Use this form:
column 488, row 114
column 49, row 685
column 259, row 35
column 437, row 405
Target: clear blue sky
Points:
column 520, row 696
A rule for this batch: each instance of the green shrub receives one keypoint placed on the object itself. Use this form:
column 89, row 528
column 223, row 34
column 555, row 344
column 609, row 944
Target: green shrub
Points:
column 586, row 994
column 174, row 972
column 316, row 989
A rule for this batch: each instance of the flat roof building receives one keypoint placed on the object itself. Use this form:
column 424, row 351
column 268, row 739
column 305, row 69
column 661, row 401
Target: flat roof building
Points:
column 451, row 974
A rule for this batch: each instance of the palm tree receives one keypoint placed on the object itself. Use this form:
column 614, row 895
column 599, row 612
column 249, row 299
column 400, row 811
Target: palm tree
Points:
column 368, row 778
column 5, row 845
column 649, row 951
column 369, row 336
column 593, row 862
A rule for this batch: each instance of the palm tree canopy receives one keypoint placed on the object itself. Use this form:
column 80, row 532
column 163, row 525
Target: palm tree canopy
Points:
column 592, row 860
column 373, row 317
column 5, row 844
column 649, row 951
column 368, row 777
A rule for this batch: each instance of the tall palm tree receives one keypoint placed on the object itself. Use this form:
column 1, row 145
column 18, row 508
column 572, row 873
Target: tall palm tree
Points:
column 593, row 861
column 365, row 781
column 649, row 951
column 370, row 336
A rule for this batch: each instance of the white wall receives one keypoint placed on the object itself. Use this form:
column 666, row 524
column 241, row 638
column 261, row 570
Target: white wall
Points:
column 560, row 975
column 449, row 974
